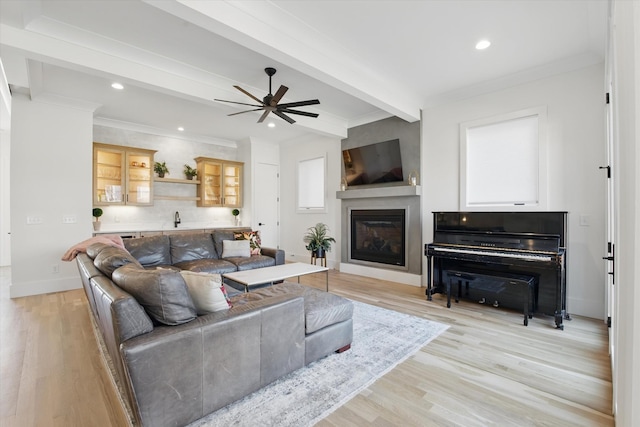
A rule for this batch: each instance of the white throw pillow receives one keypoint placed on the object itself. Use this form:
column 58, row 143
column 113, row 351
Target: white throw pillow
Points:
column 206, row 291
column 236, row 248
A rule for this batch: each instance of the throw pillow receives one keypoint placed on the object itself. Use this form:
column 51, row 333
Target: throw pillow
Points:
column 162, row 293
column 235, row 248
column 207, row 291
column 253, row 237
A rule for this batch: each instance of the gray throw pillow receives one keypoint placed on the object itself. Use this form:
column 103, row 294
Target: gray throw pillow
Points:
column 111, row 258
column 162, row 293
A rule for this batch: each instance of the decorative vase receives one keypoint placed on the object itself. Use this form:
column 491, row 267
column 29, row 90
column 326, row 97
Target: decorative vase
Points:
column 237, row 220
column 96, row 225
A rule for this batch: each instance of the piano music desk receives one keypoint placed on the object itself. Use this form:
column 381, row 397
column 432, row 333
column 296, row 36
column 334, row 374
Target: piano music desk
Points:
column 526, row 283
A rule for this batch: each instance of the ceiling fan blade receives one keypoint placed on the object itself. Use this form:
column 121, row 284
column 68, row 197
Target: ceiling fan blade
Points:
column 263, row 116
column 249, row 95
column 278, row 96
column 234, row 102
column 299, row 103
column 284, row 116
column 242, row 112
column 302, row 113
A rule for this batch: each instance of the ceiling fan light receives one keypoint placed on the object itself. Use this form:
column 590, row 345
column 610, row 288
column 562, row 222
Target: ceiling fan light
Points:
column 117, row 86
column 271, row 124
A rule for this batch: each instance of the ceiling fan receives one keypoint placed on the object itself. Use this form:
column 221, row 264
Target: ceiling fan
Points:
column 270, row 102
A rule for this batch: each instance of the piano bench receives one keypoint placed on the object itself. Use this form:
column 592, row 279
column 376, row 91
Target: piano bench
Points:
column 527, row 284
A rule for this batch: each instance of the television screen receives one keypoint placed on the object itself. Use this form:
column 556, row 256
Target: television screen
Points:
column 373, row 164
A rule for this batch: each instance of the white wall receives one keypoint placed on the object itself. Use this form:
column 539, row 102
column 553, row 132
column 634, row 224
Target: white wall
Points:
column 5, row 150
column 294, row 224
column 50, row 177
column 576, row 149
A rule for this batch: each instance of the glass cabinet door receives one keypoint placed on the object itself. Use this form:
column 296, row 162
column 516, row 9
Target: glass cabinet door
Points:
column 140, row 182
column 210, row 173
column 220, row 182
column 108, row 176
column 122, row 175
column 232, row 179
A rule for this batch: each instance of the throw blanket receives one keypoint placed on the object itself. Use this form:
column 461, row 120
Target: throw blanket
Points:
column 109, row 239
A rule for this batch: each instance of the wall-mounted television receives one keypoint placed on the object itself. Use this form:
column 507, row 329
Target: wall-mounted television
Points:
column 373, row 164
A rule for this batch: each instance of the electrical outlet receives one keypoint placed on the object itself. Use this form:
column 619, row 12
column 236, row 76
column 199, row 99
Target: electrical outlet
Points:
column 34, row 220
column 69, row 219
column 55, row 268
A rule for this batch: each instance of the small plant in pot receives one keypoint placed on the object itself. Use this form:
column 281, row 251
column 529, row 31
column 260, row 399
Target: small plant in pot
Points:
column 97, row 213
column 161, row 169
column 190, row 172
column 235, row 214
column 317, row 240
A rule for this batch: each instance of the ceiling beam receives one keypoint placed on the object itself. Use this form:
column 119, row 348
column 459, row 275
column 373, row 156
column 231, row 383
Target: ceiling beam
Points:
column 264, row 28
column 134, row 66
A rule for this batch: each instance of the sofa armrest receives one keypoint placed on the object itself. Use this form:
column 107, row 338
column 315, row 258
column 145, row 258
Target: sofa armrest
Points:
column 278, row 254
column 181, row 373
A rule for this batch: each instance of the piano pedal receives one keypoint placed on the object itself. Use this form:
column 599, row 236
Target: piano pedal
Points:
column 495, row 304
column 482, row 301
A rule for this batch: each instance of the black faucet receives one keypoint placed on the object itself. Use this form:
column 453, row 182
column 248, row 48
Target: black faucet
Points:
column 176, row 219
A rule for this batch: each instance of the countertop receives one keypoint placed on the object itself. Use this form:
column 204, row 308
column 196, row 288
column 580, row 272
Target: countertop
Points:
column 168, row 226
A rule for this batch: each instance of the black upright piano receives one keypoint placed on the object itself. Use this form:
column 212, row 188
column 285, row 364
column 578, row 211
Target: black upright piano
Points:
column 491, row 243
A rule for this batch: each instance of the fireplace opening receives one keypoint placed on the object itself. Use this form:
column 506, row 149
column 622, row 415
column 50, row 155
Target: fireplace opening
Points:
column 378, row 236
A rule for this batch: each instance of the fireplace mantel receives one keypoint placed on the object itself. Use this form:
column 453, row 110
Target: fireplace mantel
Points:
column 394, row 191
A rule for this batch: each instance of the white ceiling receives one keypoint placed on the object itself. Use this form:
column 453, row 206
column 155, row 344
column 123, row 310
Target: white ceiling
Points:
column 364, row 60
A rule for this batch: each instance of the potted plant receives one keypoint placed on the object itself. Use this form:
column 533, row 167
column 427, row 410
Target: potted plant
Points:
column 317, row 240
column 97, row 213
column 160, row 169
column 235, row 214
column 190, row 172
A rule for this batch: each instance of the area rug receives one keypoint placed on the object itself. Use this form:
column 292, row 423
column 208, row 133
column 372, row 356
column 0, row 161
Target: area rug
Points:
column 382, row 339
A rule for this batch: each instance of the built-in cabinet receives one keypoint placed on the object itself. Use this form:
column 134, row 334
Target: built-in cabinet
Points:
column 220, row 182
column 122, row 175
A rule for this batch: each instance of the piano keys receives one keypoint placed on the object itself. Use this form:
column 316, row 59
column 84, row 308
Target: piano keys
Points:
column 491, row 243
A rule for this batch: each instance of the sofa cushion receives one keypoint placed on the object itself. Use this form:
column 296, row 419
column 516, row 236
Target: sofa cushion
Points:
column 162, row 293
column 208, row 265
column 254, row 261
column 111, row 258
column 253, row 237
column 235, row 248
column 321, row 309
column 206, row 291
column 150, row 251
column 187, row 247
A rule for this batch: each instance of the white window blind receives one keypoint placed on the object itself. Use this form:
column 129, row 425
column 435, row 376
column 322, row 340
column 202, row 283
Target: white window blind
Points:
column 311, row 184
column 502, row 161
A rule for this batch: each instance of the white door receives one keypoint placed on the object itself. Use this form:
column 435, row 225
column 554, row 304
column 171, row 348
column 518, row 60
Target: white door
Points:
column 267, row 203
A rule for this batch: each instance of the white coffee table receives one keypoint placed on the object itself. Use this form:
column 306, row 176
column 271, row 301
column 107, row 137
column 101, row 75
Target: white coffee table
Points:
column 260, row 276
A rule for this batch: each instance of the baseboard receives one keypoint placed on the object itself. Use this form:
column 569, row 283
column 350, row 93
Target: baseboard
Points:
column 17, row 290
column 382, row 274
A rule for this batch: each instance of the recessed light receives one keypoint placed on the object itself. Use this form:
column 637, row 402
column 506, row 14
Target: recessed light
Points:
column 181, row 129
column 117, row 86
column 483, row 44
column 271, row 125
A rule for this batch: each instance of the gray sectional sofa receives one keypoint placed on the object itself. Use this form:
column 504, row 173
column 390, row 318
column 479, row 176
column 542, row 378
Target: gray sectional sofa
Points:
column 174, row 366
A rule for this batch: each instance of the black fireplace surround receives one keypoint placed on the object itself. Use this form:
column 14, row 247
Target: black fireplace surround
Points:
column 378, row 236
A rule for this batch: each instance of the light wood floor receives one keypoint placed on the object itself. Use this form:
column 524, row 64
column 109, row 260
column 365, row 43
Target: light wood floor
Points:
column 487, row 369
